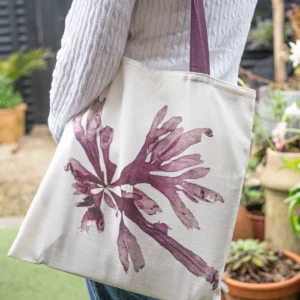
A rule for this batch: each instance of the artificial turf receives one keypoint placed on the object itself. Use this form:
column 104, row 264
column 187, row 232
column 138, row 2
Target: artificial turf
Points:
column 24, row 281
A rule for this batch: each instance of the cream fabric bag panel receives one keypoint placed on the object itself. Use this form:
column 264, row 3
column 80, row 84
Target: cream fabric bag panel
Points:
column 144, row 188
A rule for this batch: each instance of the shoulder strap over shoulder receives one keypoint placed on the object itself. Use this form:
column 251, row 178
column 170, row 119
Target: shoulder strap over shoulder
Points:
column 199, row 51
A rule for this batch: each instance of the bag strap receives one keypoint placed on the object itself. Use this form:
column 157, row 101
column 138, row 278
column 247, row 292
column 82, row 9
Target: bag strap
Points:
column 199, row 51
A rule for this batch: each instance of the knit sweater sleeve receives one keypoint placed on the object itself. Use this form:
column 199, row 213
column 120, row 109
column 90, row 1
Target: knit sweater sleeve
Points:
column 92, row 46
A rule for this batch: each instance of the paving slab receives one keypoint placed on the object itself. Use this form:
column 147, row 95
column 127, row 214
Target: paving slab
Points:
column 6, row 223
column 22, row 172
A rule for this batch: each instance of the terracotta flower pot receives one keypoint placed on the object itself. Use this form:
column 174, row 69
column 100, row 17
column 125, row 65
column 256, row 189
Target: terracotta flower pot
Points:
column 285, row 290
column 243, row 226
column 12, row 123
column 257, row 218
column 258, row 224
column 277, row 184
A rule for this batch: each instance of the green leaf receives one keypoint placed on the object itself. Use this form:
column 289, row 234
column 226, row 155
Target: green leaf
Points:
column 278, row 105
column 294, row 220
column 263, row 245
column 291, row 164
column 21, row 63
column 255, row 195
column 9, row 98
column 241, row 82
column 246, row 259
column 230, row 259
column 237, row 265
column 272, row 258
column 18, row 65
column 295, row 189
column 257, row 262
column 292, row 198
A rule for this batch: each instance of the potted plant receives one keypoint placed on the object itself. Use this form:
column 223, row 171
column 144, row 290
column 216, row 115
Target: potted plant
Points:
column 254, row 198
column 244, row 228
column 276, row 136
column 254, row 271
column 276, row 144
column 278, row 175
column 12, row 112
column 12, row 109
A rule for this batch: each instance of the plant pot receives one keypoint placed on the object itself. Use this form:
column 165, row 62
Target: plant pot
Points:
column 258, row 224
column 277, row 184
column 12, row 123
column 257, row 218
column 243, row 226
column 285, row 290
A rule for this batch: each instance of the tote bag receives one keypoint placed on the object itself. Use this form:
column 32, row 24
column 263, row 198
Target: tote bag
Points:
column 144, row 188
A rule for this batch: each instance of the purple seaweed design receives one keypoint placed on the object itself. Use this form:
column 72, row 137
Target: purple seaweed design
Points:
column 162, row 152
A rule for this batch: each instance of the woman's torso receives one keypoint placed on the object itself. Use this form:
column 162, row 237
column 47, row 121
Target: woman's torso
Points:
column 160, row 34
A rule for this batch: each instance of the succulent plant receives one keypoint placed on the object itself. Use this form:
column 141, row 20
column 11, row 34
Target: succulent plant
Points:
column 254, row 262
column 249, row 255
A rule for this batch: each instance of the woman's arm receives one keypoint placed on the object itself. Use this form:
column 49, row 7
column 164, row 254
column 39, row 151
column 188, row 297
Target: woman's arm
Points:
column 92, row 47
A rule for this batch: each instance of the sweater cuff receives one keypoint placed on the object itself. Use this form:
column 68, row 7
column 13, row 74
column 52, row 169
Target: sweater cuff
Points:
column 54, row 129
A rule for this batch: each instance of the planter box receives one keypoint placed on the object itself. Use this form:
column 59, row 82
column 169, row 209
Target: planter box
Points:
column 12, row 123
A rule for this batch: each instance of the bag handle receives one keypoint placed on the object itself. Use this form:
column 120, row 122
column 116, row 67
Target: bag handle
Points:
column 199, row 51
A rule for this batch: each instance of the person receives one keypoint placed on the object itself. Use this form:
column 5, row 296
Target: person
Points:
column 98, row 33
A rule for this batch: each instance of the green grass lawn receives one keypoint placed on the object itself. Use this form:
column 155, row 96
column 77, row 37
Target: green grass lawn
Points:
column 24, row 281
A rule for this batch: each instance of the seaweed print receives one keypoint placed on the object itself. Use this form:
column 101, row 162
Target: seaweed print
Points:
column 162, row 151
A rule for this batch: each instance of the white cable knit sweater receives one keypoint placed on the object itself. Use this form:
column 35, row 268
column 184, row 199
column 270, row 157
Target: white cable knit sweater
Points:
column 155, row 32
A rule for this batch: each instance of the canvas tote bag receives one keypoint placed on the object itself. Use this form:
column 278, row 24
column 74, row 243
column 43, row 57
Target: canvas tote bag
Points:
column 144, row 188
